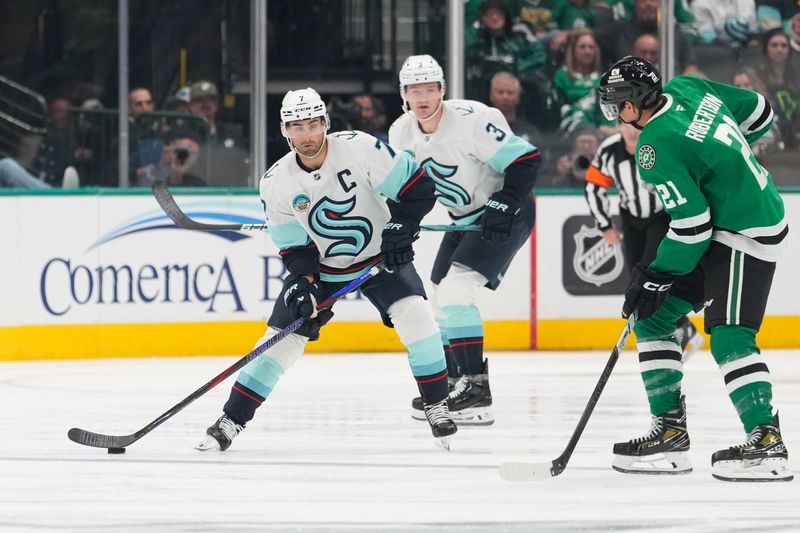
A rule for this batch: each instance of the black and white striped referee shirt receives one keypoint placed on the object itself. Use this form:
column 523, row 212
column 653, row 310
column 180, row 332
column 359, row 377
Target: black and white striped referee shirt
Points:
column 613, row 166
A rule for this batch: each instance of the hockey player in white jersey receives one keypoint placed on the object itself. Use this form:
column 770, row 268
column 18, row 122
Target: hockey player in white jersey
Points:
column 483, row 173
column 336, row 205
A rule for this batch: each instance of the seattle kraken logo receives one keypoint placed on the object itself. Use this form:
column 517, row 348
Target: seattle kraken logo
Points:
column 328, row 220
column 449, row 194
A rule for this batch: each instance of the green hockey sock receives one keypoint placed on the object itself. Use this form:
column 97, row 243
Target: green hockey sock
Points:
column 746, row 374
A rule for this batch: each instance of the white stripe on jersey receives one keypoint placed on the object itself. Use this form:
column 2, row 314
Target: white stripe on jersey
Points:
column 691, row 222
column 746, row 123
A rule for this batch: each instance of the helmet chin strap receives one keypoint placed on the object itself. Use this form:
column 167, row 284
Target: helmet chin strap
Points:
column 634, row 123
column 321, row 146
column 438, row 108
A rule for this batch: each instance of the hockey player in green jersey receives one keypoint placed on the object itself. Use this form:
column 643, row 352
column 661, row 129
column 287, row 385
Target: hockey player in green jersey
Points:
column 726, row 231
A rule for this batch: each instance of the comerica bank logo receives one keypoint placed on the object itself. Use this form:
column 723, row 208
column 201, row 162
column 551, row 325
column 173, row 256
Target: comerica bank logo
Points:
column 122, row 270
column 209, row 211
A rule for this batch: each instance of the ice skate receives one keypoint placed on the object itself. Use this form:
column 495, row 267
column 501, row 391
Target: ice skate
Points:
column 762, row 458
column 442, row 425
column 664, row 450
column 469, row 401
column 418, row 406
column 220, row 435
column 689, row 338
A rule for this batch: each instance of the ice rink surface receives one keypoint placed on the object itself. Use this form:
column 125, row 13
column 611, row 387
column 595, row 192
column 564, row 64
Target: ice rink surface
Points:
column 334, row 449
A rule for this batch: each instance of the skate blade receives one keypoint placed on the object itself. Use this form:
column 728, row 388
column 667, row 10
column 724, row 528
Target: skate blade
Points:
column 766, row 470
column 418, row 415
column 694, row 344
column 660, row 464
column 208, row 443
column 478, row 416
column 444, row 442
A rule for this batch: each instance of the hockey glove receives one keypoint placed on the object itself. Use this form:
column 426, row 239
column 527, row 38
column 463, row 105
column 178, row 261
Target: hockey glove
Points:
column 397, row 242
column 310, row 328
column 646, row 292
column 498, row 216
column 300, row 298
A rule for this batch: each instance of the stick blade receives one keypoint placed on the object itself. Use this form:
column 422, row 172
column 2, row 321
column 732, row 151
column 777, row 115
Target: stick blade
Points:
column 512, row 471
column 98, row 440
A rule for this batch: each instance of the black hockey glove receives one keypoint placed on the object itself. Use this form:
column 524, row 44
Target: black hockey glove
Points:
column 498, row 216
column 310, row 328
column 397, row 241
column 646, row 292
column 301, row 297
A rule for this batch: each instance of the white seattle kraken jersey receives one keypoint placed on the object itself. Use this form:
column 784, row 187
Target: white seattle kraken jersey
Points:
column 341, row 207
column 466, row 156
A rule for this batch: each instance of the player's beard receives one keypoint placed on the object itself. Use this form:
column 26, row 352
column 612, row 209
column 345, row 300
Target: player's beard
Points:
column 310, row 150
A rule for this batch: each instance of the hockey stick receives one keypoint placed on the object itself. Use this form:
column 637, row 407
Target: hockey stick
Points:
column 529, row 471
column 170, row 206
column 99, row 440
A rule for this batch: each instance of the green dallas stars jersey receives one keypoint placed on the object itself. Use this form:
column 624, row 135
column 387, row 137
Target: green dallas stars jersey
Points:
column 695, row 152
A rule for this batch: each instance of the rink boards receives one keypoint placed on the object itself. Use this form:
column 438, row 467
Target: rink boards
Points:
column 99, row 274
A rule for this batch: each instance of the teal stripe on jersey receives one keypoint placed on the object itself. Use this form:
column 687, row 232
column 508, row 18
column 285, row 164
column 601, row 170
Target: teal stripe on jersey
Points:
column 350, row 276
column 261, row 375
column 404, row 168
column 288, row 235
column 514, row 148
column 426, row 357
column 463, row 321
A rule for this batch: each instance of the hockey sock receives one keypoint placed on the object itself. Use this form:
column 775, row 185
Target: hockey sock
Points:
column 745, row 372
column 242, row 404
column 452, row 365
column 415, row 325
column 465, row 331
column 433, row 388
column 660, row 355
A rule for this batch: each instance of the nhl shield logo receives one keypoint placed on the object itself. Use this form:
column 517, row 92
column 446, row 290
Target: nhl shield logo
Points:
column 595, row 261
column 647, row 156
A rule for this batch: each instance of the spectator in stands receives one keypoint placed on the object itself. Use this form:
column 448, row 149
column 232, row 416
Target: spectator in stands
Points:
column 504, row 94
column 229, row 160
column 770, row 142
column 15, row 176
column 615, row 10
column 617, row 40
column 647, row 47
column 576, row 81
column 496, row 46
column 373, row 116
column 573, row 14
column 145, row 142
column 571, row 168
column 140, row 101
column 793, row 31
column 779, row 68
column 57, row 151
column 731, row 23
column 771, row 14
column 178, row 159
column 180, row 102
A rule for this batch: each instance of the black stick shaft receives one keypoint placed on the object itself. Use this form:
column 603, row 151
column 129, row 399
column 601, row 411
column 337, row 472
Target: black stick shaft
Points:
column 99, row 440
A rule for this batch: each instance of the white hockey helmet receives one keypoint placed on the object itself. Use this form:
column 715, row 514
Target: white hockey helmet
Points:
column 300, row 105
column 420, row 69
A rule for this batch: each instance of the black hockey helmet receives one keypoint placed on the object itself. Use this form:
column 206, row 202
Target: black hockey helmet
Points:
column 631, row 79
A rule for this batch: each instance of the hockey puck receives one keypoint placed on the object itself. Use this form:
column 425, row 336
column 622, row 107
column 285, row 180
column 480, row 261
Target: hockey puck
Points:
column 116, row 450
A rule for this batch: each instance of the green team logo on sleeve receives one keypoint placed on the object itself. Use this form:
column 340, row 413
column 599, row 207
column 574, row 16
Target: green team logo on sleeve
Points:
column 647, row 156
